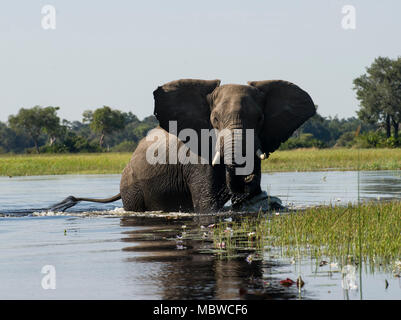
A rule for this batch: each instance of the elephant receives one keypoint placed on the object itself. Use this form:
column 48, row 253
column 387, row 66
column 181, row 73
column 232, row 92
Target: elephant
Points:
column 271, row 109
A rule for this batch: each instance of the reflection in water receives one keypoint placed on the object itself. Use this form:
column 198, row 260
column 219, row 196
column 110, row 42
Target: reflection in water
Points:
column 381, row 185
column 316, row 188
column 188, row 267
column 156, row 258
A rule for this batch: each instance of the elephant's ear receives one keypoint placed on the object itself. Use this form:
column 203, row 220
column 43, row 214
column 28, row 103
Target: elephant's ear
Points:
column 184, row 101
column 286, row 108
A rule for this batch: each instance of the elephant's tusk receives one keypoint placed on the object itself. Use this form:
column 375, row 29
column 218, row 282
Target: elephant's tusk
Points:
column 216, row 158
column 260, row 154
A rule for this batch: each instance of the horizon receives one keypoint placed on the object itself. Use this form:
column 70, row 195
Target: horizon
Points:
column 146, row 116
column 102, row 53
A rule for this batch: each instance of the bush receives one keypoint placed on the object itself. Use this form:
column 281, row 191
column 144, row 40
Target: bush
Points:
column 347, row 139
column 392, row 142
column 376, row 140
column 306, row 140
column 55, row 148
column 125, row 146
column 72, row 144
column 80, row 144
column 30, row 150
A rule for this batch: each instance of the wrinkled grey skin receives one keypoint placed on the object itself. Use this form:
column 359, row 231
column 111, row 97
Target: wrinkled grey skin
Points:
column 274, row 109
column 171, row 187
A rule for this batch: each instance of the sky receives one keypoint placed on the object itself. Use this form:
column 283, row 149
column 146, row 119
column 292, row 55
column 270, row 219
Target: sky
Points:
column 117, row 53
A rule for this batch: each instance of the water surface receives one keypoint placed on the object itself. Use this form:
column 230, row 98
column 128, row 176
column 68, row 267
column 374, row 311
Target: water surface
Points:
column 114, row 256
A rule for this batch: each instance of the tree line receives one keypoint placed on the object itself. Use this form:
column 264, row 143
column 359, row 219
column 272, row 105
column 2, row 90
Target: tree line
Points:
column 378, row 119
column 40, row 130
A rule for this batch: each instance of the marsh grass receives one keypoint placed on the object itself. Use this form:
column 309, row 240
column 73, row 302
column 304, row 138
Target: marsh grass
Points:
column 95, row 163
column 333, row 159
column 341, row 233
column 294, row 160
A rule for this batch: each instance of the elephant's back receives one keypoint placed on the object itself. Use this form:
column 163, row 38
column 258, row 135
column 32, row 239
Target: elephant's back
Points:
column 161, row 185
column 152, row 154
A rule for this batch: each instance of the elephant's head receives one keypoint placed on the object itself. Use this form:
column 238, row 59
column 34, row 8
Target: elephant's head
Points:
column 272, row 109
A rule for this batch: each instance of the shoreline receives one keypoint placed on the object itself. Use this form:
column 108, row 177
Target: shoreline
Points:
column 298, row 160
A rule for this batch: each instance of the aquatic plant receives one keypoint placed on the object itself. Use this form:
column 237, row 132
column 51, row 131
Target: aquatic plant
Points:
column 344, row 234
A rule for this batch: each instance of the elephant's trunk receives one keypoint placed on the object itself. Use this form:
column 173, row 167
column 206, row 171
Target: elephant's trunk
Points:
column 232, row 146
column 239, row 153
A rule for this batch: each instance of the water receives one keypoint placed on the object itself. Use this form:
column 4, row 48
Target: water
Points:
column 332, row 187
column 100, row 253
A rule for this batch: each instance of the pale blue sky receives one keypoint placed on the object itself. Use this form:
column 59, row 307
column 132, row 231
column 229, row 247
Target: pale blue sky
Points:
column 117, row 52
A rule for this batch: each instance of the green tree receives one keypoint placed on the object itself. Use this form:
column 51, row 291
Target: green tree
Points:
column 7, row 138
column 394, row 95
column 318, row 127
column 379, row 93
column 87, row 116
column 105, row 121
column 36, row 121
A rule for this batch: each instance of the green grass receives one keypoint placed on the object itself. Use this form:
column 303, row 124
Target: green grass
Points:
column 317, row 232
column 294, row 160
column 333, row 159
column 95, row 163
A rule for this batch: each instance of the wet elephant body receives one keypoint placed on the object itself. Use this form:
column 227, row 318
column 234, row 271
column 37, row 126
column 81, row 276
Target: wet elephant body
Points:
column 171, row 187
column 271, row 110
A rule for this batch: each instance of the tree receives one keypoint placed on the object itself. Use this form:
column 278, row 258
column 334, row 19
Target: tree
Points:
column 7, row 138
column 51, row 124
column 129, row 117
column 318, row 127
column 379, row 93
column 87, row 116
column 105, row 121
column 394, row 95
column 36, row 121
